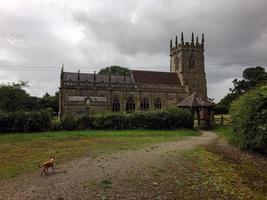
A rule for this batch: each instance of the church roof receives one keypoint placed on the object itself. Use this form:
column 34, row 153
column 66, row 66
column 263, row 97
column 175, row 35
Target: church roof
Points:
column 195, row 100
column 72, row 76
column 152, row 77
column 137, row 76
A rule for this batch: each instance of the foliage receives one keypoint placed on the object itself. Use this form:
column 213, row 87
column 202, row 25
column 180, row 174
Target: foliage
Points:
column 220, row 109
column 22, row 121
column 249, row 115
column 115, row 70
column 13, row 97
column 252, row 77
column 169, row 119
column 69, row 122
column 49, row 101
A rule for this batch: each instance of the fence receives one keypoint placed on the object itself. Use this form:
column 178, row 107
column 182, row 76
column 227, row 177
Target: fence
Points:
column 221, row 120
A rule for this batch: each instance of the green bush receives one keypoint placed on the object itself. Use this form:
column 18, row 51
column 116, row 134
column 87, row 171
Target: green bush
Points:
column 84, row 122
column 221, row 109
column 25, row 121
column 170, row 119
column 69, row 122
column 56, row 124
column 249, row 116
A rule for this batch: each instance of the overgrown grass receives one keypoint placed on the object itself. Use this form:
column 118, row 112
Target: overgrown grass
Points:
column 24, row 152
column 228, row 133
column 225, row 177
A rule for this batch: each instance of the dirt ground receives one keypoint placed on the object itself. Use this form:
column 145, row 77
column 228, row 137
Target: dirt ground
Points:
column 158, row 171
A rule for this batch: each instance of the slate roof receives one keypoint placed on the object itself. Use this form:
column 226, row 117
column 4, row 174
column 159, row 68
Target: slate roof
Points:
column 67, row 76
column 152, row 77
column 195, row 100
column 137, row 76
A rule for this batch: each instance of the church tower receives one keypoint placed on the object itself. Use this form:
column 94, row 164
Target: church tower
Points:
column 187, row 59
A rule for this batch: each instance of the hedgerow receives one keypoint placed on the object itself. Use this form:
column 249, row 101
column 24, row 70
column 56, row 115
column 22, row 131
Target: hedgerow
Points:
column 249, row 116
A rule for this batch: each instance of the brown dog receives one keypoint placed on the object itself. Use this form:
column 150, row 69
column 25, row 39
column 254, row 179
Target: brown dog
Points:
column 47, row 165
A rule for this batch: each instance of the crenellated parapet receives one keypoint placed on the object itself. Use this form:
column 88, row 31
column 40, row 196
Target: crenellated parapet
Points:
column 194, row 44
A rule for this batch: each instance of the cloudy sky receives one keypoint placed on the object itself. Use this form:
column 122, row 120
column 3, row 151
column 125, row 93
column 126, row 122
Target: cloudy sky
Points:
column 36, row 36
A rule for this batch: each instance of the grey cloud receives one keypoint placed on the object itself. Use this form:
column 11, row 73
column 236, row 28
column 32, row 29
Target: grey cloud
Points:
column 131, row 33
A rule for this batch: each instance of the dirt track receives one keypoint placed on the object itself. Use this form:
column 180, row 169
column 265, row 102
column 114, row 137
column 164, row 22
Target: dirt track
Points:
column 122, row 175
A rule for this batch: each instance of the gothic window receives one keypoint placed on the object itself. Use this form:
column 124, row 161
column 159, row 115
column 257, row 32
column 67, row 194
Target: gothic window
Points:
column 116, row 105
column 144, row 105
column 176, row 63
column 191, row 62
column 130, row 105
column 158, row 103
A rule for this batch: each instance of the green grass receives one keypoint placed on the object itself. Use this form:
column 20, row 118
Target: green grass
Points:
column 223, row 176
column 227, row 132
column 23, row 152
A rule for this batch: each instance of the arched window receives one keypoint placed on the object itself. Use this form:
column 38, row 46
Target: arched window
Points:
column 176, row 63
column 191, row 62
column 158, row 103
column 130, row 105
column 116, row 105
column 144, row 105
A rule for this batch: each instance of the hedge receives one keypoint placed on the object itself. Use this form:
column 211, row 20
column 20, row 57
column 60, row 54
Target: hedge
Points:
column 42, row 121
column 26, row 121
column 164, row 119
column 249, row 116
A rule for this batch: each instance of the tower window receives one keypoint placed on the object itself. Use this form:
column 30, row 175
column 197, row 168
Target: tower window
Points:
column 158, row 103
column 116, row 105
column 130, row 105
column 192, row 62
column 176, row 63
column 144, row 105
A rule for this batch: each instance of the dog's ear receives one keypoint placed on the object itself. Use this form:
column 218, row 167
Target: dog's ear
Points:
column 50, row 157
column 54, row 157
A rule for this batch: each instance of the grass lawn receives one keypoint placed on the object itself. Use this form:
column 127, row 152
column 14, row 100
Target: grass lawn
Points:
column 23, row 152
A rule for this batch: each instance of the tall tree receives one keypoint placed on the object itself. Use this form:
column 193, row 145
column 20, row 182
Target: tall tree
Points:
column 115, row 70
column 13, row 97
column 252, row 77
column 49, row 101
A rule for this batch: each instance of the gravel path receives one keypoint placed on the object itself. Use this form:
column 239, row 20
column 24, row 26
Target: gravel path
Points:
column 106, row 177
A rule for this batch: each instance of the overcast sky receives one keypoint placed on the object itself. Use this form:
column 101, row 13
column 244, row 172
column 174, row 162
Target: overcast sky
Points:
column 36, row 36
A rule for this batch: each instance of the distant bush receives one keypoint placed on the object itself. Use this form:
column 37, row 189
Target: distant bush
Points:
column 168, row 119
column 42, row 120
column 69, row 122
column 249, row 116
column 25, row 121
column 221, row 109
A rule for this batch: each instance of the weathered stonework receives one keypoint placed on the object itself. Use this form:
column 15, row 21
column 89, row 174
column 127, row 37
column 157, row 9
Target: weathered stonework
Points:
column 142, row 90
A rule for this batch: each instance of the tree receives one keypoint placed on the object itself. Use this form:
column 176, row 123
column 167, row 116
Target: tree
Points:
column 13, row 97
column 115, row 70
column 252, row 77
column 49, row 101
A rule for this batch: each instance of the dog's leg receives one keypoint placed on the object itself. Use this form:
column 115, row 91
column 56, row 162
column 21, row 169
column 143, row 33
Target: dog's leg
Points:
column 53, row 169
column 43, row 171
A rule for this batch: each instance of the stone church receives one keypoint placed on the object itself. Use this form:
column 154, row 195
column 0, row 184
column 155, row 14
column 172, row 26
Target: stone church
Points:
column 141, row 90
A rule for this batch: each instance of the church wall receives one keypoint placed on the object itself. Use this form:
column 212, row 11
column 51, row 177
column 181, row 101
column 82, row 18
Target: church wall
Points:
column 168, row 99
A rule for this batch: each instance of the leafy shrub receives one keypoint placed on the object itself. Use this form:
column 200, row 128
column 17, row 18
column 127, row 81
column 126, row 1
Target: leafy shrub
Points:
column 25, row 121
column 249, row 115
column 56, row 124
column 84, row 122
column 69, row 122
column 221, row 109
column 169, row 119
